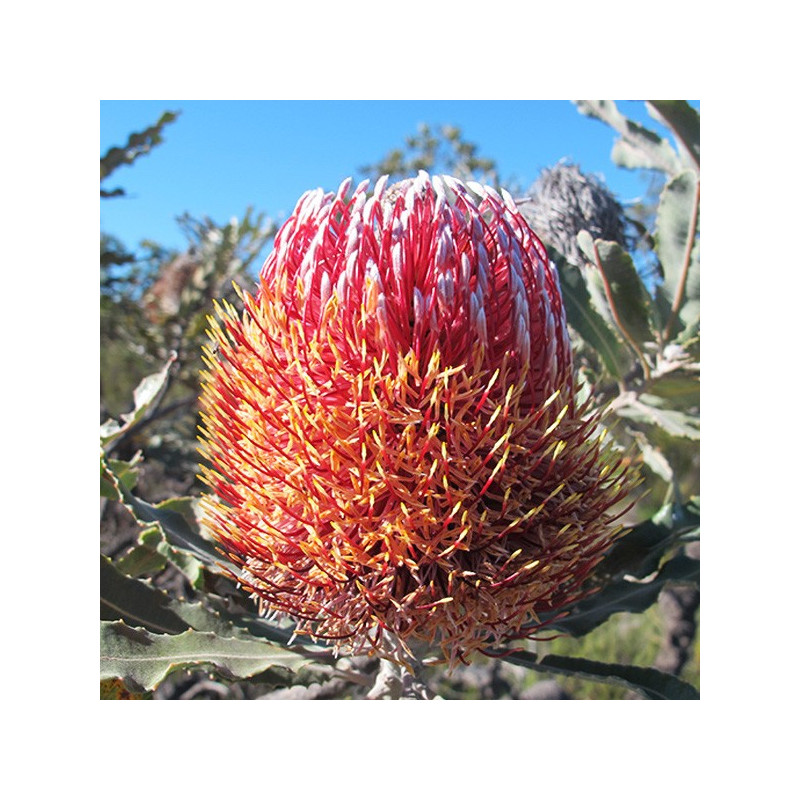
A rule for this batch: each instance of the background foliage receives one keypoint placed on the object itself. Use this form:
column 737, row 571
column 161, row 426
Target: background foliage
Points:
column 174, row 626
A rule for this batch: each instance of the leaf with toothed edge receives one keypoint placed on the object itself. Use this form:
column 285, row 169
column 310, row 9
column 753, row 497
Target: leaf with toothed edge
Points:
column 638, row 147
column 143, row 559
column 178, row 532
column 136, row 602
column 589, row 324
column 680, row 259
column 619, row 278
column 683, row 121
column 143, row 659
column 626, row 596
column 640, row 551
column 145, row 396
column 634, row 570
column 651, row 410
column 127, row 473
column 139, row 604
column 651, row 683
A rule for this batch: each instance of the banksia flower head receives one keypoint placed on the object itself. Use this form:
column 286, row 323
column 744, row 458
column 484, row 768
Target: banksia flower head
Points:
column 395, row 446
column 564, row 201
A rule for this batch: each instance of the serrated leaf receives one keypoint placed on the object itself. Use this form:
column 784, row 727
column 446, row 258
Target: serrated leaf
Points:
column 640, row 550
column 138, row 144
column 683, row 121
column 652, row 457
column 187, row 562
column 243, row 623
column 139, row 604
column 675, row 221
column 651, row 683
column 619, row 278
column 680, row 388
column 142, row 560
column 156, row 547
column 145, row 396
column 135, row 602
column 127, row 473
column 638, row 147
column 178, row 532
column 646, row 408
column 143, row 659
column 590, row 325
column 626, row 595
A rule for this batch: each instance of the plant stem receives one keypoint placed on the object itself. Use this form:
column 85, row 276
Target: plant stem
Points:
column 400, row 681
column 388, row 682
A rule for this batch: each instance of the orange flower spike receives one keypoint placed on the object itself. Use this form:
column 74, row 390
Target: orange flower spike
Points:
column 395, row 449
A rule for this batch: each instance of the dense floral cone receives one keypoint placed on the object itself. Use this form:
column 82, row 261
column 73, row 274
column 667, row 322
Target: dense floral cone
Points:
column 395, row 447
column 564, row 201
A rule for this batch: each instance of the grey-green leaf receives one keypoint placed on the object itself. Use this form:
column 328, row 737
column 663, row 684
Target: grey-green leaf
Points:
column 626, row 595
column 143, row 559
column 143, row 659
column 681, row 389
column 683, row 121
column 178, row 532
column 589, row 324
column 145, row 396
column 127, row 472
column 652, row 457
column 638, row 147
column 677, row 248
column 651, row 683
column 136, row 602
column 639, row 552
column 139, row 604
column 630, row 298
column 138, row 144
column 648, row 409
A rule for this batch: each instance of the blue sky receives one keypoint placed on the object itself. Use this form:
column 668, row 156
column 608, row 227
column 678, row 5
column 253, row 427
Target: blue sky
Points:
column 220, row 157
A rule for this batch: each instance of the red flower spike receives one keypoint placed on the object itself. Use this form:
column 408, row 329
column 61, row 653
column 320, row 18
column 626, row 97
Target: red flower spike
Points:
column 394, row 444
